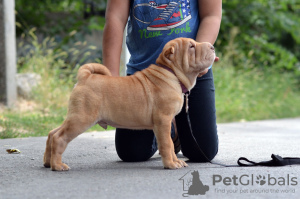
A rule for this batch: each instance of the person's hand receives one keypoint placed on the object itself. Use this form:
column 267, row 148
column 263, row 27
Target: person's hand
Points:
column 206, row 70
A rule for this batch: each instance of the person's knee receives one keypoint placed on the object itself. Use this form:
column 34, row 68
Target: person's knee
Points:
column 134, row 146
column 197, row 156
column 205, row 155
column 128, row 155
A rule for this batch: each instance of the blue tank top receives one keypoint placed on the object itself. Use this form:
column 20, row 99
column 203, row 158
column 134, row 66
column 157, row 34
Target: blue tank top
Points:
column 153, row 23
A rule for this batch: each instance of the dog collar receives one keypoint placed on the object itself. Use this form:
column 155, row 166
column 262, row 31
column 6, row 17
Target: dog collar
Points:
column 183, row 88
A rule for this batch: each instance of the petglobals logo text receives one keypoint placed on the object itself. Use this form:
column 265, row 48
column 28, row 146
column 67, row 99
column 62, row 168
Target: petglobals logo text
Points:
column 254, row 184
column 196, row 183
column 246, row 180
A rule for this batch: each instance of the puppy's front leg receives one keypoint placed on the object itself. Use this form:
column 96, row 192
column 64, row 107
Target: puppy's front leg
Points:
column 166, row 146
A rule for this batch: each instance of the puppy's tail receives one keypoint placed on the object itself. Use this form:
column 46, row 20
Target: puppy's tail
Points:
column 86, row 70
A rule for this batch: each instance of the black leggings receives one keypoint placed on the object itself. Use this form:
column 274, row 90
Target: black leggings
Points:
column 140, row 145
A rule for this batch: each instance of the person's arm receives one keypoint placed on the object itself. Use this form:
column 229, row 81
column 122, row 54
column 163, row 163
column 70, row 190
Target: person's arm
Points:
column 116, row 17
column 210, row 12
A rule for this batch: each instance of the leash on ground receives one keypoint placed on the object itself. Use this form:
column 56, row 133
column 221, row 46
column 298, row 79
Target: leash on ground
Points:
column 276, row 159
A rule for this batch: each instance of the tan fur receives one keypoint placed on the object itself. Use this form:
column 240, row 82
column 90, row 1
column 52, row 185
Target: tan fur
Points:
column 149, row 99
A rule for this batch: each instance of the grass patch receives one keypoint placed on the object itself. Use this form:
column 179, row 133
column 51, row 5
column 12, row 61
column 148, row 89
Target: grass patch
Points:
column 240, row 96
column 34, row 123
column 28, row 123
column 244, row 95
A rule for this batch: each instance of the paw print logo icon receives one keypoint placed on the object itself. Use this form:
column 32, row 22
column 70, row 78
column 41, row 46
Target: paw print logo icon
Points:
column 261, row 180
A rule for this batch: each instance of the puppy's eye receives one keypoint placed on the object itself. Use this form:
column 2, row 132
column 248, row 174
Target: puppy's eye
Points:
column 192, row 46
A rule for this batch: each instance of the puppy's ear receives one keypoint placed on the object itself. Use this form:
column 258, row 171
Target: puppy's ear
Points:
column 169, row 52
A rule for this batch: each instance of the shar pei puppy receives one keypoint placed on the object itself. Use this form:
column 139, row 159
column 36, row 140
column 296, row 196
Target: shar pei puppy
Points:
column 148, row 99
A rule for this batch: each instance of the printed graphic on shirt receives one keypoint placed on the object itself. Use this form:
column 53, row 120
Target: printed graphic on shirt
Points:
column 162, row 16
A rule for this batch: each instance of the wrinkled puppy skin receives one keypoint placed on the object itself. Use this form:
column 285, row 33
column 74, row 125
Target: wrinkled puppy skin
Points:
column 157, row 98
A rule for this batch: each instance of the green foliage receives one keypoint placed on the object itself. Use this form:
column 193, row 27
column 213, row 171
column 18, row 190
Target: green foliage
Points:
column 240, row 94
column 47, row 17
column 44, row 20
column 266, row 33
column 66, row 56
column 31, row 13
column 257, row 76
column 57, row 66
column 58, row 69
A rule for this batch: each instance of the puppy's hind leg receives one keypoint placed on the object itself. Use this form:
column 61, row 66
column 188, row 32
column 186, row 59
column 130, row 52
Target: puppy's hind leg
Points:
column 47, row 154
column 70, row 129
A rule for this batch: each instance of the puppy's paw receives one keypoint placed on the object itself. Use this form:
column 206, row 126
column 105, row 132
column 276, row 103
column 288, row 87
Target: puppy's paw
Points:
column 182, row 163
column 46, row 161
column 47, row 164
column 60, row 167
column 173, row 165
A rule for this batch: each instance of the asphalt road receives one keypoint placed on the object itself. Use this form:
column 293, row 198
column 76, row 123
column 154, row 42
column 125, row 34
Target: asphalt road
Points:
column 97, row 172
